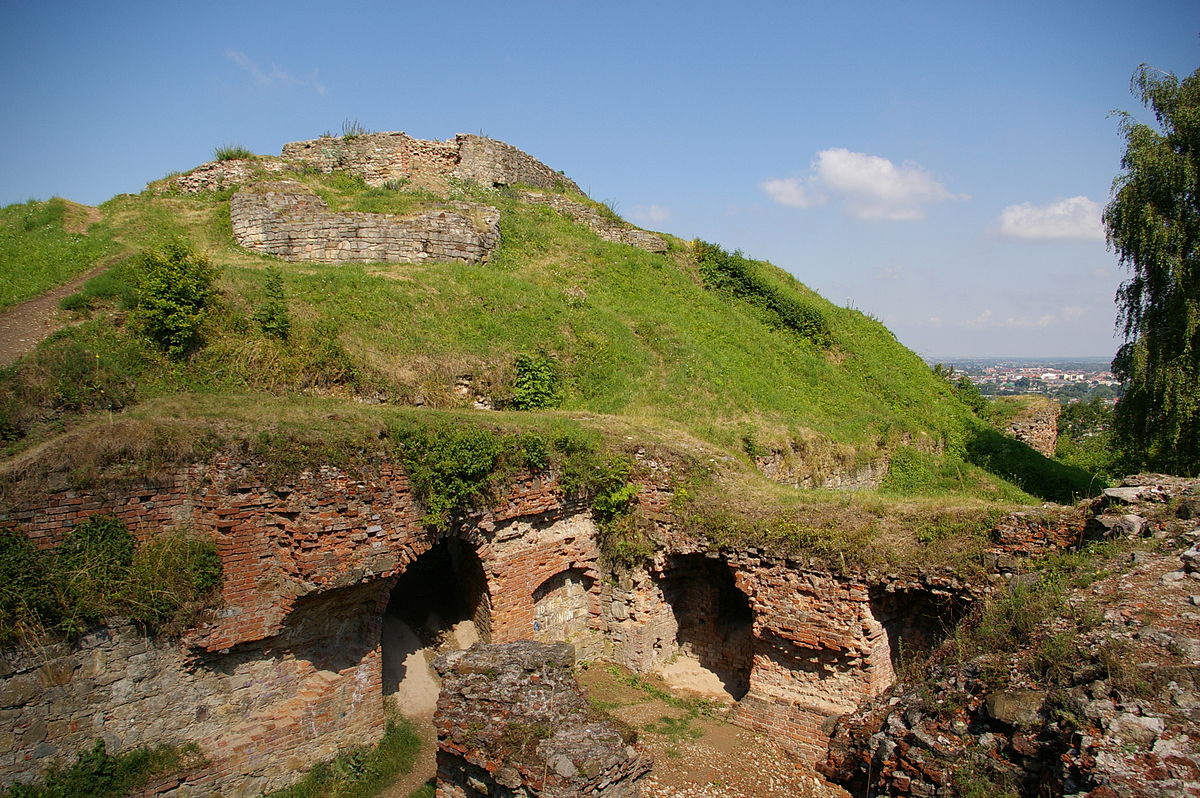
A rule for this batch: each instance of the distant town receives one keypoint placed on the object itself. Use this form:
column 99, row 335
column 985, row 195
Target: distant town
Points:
column 1066, row 379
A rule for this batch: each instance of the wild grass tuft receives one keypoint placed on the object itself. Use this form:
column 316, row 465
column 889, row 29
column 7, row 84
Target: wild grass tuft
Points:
column 97, row 572
column 232, row 152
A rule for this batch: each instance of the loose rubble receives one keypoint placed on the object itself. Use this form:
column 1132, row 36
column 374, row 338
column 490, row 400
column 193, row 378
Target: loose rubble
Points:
column 1123, row 721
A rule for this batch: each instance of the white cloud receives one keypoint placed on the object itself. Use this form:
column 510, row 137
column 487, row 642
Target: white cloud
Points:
column 870, row 186
column 1076, row 218
column 269, row 78
column 650, row 214
column 793, row 191
column 988, row 319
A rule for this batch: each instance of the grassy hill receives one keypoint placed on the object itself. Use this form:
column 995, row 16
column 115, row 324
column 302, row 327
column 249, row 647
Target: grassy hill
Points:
column 709, row 352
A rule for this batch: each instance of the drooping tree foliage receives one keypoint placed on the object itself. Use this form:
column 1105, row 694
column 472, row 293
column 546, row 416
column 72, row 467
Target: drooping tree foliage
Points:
column 1153, row 224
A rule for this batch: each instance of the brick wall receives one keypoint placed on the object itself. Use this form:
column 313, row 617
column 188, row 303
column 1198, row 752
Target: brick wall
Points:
column 309, row 567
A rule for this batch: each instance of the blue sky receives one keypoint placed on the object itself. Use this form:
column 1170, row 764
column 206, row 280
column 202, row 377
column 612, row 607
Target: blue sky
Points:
column 939, row 165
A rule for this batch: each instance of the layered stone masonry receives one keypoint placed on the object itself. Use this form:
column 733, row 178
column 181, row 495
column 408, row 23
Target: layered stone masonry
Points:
column 511, row 721
column 607, row 228
column 261, row 714
column 285, row 219
column 382, row 157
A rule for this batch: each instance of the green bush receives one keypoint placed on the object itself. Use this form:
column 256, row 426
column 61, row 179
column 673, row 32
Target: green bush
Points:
column 535, row 382
column 453, row 465
column 175, row 291
column 739, row 277
column 272, row 315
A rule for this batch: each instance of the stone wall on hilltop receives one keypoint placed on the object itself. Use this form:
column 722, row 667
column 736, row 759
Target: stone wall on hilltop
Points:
column 382, row 157
column 284, row 218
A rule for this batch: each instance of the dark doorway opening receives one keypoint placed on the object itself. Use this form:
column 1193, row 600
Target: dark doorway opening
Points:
column 715, row 622
column 440, row 602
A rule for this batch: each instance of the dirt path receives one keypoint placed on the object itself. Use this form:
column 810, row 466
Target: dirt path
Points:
column 698, row 756
column 424, row 769
column 23, row 326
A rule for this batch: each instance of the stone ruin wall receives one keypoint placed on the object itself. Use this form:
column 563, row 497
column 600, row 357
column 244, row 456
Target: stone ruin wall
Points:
column 612, row 230
column 512, row 721
column 287, row 220
column 1038, row 426
column 219, row 175
column 382, row 157
column 291, row 667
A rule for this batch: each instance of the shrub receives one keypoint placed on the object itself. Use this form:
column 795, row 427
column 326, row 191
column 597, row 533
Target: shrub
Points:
column 174, row 294
column 535, row 382
column 231, row 152
column 272, row 315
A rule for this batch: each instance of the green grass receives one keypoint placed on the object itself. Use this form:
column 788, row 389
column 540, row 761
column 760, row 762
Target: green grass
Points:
column 231, row 152
column 631, row 338
column 361, row 772
column 97, row 572
column 38, row 253
column 97, row 774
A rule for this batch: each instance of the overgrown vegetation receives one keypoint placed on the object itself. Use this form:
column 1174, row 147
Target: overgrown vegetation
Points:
column 361, row 772
column 45, row 244
column 737, row 276
column 97, row 572
column 272, row 314
column 1152, row 223
column 535, row 382
column 175, row 292
column 1085, row 438
column 95, row 773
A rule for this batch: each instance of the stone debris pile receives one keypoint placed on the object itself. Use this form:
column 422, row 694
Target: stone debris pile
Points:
column 511, row 721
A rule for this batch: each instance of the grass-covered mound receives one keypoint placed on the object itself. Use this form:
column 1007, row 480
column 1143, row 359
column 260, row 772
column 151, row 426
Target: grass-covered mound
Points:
column 694, row 344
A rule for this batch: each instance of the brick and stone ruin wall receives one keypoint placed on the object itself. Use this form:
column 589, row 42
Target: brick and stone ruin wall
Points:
column 284, row 218
column 333, row 585
column 511, row 721
column 1038, row 425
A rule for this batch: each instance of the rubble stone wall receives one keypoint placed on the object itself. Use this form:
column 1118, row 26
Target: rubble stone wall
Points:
column 219, row 175
column 511, row 721
column 283, row 218
column 261, row 714
column 380, row 157
column 609, row 229
column 1037, row 424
